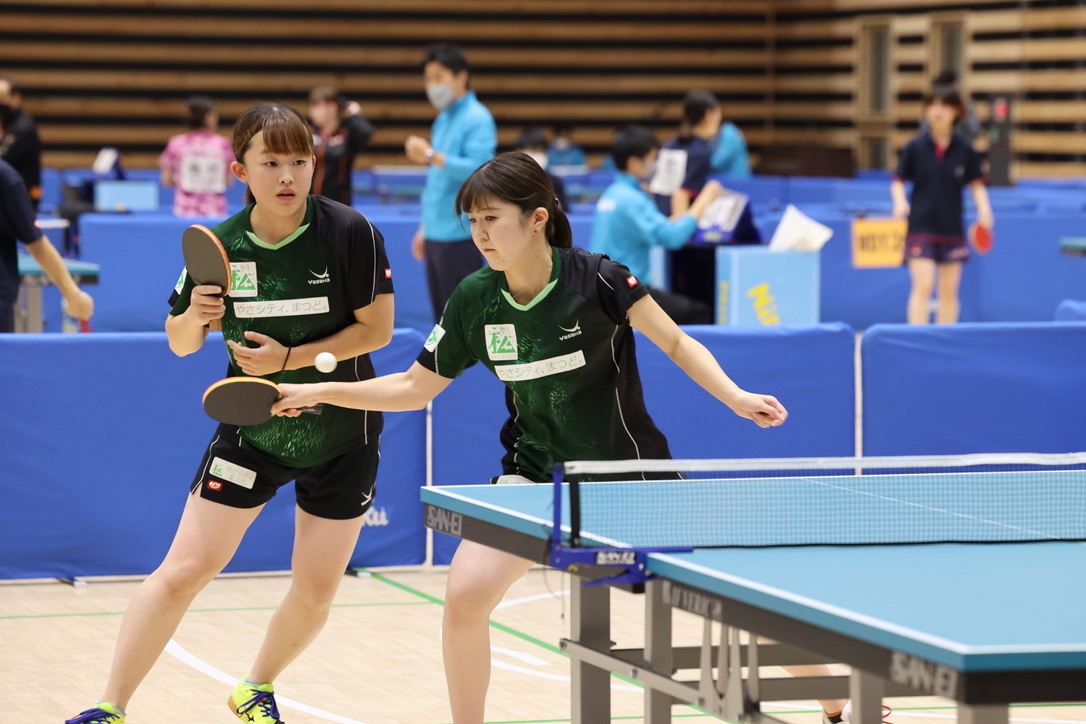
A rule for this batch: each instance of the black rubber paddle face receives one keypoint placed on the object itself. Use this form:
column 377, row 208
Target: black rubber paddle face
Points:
column 205, row 258
column 241, row 400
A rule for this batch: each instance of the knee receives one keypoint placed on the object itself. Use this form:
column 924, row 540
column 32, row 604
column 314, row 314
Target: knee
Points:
column 186, row 577
column 315, row 594
column 467, row 603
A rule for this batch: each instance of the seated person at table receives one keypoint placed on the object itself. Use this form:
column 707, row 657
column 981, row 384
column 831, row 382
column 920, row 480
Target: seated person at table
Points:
column 628, row 224
column 17, row 224
column 533, row 142
column 563, row 151
column 705, row 145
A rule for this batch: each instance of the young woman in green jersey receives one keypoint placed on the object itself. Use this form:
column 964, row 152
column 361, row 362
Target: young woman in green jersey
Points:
column 574, row 394
column 275, row 321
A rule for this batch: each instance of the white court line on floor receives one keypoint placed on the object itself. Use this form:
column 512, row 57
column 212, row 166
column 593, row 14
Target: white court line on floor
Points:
column 912, row 711
column 531, row 599
column 176, row 650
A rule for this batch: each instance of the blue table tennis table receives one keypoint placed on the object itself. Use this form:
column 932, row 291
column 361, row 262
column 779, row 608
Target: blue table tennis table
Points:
column 983, row 624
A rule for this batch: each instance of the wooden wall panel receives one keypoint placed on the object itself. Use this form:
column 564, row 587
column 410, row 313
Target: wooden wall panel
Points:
column 99, row 72
column 116, row 72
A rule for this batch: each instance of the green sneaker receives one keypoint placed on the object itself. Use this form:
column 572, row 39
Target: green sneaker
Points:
column 104, row 713
column 255, row 704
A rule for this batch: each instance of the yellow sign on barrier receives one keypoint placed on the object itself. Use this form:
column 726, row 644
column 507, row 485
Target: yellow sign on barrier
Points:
column 878, row 243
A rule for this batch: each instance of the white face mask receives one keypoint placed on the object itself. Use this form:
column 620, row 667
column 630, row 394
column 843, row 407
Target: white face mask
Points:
column 539, row 157
column 440, row 95
column 562, row 144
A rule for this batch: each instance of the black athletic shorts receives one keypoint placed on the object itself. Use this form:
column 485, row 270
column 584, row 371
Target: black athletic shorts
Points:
column 339, row 489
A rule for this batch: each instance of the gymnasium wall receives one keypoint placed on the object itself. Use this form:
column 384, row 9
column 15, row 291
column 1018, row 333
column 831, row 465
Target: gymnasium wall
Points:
column 1028, row 50
column 790, row 73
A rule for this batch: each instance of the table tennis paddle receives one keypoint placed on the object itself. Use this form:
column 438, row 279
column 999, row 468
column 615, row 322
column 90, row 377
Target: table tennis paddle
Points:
column 206, row 261
column 980, row 238
column 244, row 401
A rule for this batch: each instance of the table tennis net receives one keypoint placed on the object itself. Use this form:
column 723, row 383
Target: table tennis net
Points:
column 828, row 501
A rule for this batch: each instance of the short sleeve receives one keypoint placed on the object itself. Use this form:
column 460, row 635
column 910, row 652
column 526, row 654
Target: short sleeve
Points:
column 973, row 166
column 368, row 267
column 181, row 296
column 906, row 163
column 447, row 351
column 17, row 211
column 697, row 167
column 618, row 289
column 168, row 160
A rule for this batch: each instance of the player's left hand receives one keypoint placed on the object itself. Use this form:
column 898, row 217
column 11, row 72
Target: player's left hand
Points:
column 763, row 410
column 264, row 359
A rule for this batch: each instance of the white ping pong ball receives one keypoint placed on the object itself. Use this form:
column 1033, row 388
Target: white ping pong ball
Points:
column 325, row 362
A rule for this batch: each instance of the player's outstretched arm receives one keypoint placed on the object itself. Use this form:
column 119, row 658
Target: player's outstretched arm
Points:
column 409, row 390
column 699, row 364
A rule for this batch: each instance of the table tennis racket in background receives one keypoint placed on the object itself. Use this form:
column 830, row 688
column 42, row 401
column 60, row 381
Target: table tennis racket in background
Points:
column 244, row 400
column 980, row 238
column 206, row 261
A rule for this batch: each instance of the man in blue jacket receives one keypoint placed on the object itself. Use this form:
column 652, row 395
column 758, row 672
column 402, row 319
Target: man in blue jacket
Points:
column 462, row 138
column 628, row 223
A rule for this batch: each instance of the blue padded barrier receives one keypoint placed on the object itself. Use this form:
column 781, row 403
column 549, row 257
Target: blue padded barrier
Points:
column 973, row 388
column 809, row 369
column 1071, row 310
column 140, row 260
column 106, row 439
column 1025, row 276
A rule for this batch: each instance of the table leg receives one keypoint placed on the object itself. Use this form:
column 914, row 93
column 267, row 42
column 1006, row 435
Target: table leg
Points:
column 987, row 714
column 867, row 691
column 659, row 652
column 590, row 625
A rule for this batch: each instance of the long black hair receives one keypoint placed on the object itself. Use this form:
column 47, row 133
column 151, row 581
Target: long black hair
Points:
column 515, row 178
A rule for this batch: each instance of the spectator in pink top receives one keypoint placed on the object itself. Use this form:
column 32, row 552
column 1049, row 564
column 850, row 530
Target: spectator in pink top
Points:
column 197, row 163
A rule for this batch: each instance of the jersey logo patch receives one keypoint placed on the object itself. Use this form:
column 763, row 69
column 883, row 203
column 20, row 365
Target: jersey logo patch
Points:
column 501, row 341
column 232, row 473
column 388, row 273
column 321, row 278
column 435, row 336
column 631, row 281
column 575, row 331
column 243, row 279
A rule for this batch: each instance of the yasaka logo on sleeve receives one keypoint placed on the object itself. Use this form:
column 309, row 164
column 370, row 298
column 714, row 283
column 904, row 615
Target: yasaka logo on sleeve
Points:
column 631, row 281
column 388, row 273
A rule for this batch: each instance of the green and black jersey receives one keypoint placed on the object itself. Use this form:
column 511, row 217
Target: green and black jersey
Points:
column 305, row 288
column 567, row 360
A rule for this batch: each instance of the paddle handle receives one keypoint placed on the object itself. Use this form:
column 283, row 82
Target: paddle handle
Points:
column 215, row 325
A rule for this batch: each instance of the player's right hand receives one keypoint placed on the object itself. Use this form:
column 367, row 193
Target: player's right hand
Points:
column 713, row 188
column 418, row 246
column 206, row 303
column 292, row 398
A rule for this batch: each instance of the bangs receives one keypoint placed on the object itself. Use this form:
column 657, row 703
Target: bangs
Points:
column 475, row 192
column 285, row 134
